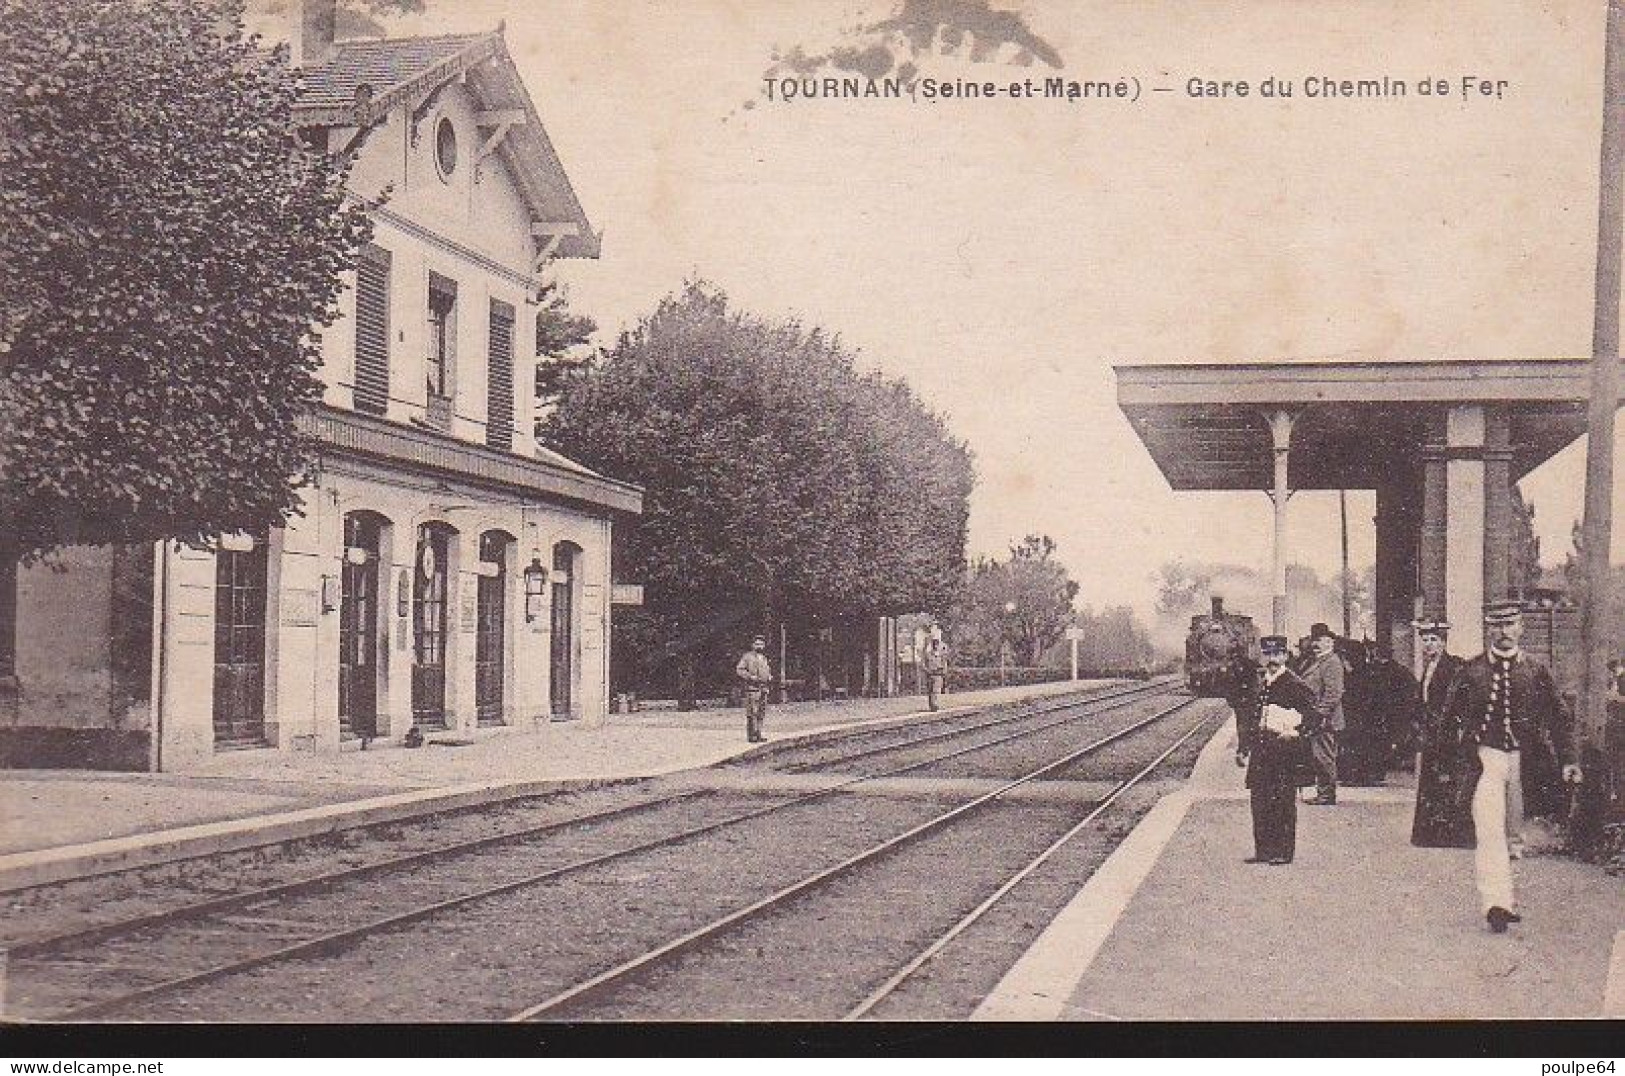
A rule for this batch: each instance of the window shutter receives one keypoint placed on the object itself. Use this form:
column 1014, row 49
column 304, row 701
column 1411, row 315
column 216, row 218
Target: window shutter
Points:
column 499, row 379
column 372, row 332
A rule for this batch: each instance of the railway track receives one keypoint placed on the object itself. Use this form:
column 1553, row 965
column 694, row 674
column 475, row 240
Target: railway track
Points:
column 826, row 756
column 111, row 966
column 584, row 999
column 844, row 757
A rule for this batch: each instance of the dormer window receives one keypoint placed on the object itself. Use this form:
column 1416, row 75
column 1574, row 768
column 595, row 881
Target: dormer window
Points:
column 445, row 147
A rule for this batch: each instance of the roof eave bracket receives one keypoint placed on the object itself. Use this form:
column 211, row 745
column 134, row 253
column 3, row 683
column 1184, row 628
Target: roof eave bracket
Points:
column 549, row 235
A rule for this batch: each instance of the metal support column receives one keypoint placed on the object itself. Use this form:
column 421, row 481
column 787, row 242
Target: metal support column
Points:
column 1281, row 442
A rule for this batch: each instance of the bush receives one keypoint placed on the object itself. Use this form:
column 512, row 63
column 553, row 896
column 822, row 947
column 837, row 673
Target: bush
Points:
column 973, row 678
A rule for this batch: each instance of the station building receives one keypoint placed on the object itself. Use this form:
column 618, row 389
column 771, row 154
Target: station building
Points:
column 447, row 572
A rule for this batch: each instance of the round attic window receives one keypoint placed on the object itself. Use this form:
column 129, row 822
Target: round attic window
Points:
column 445, row 147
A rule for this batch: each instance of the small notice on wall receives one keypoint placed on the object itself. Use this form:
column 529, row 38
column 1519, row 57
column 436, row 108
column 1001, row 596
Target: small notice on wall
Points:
column 470, row 603
column 299, row 608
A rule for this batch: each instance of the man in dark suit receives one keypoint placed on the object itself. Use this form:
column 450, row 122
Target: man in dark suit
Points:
column 1271, row 728
column 1502, row 701
column 1444, row 781
column 1324, row 675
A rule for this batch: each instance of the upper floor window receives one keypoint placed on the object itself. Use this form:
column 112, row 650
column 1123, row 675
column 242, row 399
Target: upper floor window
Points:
column 442, row 337
column 372, row 330
column 499, row 378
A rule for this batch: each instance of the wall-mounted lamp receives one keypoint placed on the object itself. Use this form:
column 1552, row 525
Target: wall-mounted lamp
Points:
column 330, row 593
column 535, row 588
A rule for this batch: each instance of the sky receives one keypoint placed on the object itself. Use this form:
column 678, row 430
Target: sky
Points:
column 1002, row 255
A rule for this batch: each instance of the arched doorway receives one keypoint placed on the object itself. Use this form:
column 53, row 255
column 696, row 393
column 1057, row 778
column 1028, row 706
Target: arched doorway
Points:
column 359, row 649
column 562, row 668
column 430, row 575
column 491, row 628
column 240, row 565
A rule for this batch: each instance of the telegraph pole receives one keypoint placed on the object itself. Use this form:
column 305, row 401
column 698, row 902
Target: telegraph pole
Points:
column 1597, row 528
column 1343, row 519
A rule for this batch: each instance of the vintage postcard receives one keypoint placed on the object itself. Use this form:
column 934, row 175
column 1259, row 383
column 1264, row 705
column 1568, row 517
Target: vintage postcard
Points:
column 738, row 511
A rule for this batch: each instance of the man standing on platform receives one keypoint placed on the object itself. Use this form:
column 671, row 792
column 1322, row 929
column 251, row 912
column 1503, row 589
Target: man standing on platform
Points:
column 934, row 663
column 1503, row 700
column 1272, row 722
column 1444, row 777
column 756, row 675
column 1324, row 675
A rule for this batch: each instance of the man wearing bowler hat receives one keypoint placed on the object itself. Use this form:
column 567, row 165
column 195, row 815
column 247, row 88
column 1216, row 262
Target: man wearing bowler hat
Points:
column 1271, row 730
column 756, row 676
column 1324, row 675
column 1503, row 700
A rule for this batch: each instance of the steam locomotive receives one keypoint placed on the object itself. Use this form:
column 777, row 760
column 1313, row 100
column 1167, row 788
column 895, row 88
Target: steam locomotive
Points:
column 1216, row 639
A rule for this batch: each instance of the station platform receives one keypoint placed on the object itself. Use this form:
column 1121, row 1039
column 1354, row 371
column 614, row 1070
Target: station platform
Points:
column 57, row 824
column 1361, row 926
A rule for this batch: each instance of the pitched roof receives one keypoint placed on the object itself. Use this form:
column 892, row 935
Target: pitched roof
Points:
column 381, row 66
column 366, row 79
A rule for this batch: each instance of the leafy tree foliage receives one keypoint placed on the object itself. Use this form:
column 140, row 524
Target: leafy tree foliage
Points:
column 1024, row 603
column 170, row 249
column 1114, row 640
column 354, row 18
column 1612, row 620
column 560, row 335
column 782, row 486
column 1181, row 588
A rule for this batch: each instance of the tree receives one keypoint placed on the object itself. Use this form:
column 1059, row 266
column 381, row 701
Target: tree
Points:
column 354, row 18
column 560, row 336
column 1180, row 588
column 1024, row 603
column 171, row 250
column 780, row 484
column 1042, row 591
column 1114, row 641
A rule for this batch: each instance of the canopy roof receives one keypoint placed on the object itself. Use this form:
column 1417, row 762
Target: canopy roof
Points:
column 1206, row 426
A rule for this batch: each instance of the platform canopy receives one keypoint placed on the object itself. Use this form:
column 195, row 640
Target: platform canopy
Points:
column 1207, row 428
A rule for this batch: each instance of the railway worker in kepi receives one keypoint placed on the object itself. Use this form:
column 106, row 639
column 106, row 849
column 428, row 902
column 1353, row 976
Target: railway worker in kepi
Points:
column 1324, row 675
column 1445, row 773
column 756, row 676
column 1271, row 743
column 1504, row 700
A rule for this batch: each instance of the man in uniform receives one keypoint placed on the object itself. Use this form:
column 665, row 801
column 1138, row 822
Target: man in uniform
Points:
column 1272, row 750
column 1503, row 700
column 935, row 664
column 1443, row 816
column 1324, row 675
column 756, row 675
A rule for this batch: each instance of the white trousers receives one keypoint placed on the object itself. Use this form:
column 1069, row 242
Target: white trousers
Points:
column 1497, row 816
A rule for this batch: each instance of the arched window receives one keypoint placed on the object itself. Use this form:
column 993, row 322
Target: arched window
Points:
column 430, row 606
column 360, row 596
